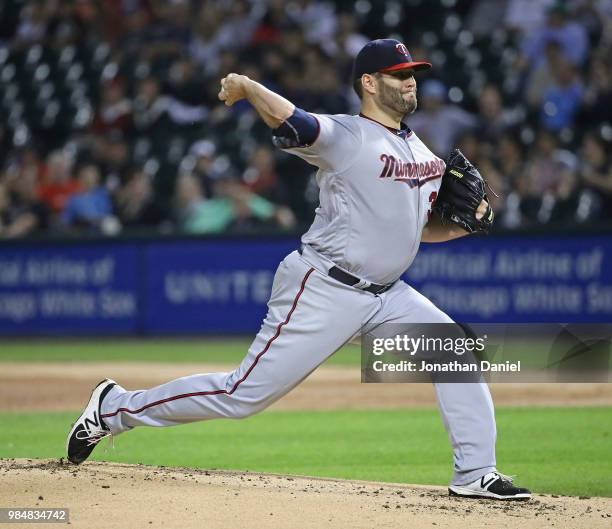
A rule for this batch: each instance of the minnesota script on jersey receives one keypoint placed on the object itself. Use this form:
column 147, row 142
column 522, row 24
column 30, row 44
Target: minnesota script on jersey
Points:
column 377, row 186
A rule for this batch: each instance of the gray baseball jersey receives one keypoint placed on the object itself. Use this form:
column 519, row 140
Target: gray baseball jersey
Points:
column 376, row 191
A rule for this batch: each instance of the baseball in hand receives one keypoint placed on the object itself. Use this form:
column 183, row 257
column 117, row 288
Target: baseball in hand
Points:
column 482, row 209
column 233, row 88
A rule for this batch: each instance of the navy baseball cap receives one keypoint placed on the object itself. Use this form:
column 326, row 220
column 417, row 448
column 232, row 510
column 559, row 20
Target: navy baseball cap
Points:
column 385, row 55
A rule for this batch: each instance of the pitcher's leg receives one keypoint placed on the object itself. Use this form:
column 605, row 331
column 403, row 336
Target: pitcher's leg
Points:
column 466, row 408
column 469, row 418
column 295, row 338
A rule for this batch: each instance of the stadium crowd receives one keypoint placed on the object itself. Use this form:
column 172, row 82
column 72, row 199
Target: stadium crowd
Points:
column 110, row 123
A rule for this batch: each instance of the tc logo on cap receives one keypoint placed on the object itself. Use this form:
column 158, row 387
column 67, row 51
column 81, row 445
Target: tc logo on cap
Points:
column 401, row 49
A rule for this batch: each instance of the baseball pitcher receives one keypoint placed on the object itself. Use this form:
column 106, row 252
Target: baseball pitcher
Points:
column 382, row 192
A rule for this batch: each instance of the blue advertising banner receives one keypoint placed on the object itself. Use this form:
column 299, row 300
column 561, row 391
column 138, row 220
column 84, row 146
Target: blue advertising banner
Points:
column 518, row 279
column 68, row 289
column 210, row 286
column 221, row 286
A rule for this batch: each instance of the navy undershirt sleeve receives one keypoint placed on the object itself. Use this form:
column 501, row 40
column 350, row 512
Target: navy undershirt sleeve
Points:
column 301, row 129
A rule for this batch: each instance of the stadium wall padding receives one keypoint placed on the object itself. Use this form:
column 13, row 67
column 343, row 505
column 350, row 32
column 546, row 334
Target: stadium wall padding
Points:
column 220, row 286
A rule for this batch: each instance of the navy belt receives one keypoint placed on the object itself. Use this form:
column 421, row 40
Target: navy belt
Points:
column 350, row 280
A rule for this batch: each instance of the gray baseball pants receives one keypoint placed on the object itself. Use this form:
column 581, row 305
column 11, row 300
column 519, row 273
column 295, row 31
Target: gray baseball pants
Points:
column 310, row 316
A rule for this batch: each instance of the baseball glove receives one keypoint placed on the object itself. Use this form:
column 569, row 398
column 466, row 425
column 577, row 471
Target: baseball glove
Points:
column 462, row 190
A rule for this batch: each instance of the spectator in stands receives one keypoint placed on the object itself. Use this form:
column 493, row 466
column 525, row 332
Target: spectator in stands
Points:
column 548, row 180
column 292, row 85
column 237, row 26
column 508, row 163
column 509, row 159
column 149, row 106
column 596, row 174
column 594, row 16
column 326, row 97
column 112, row 157
column 135, row 202
column 5, row 144
column 524, row 16
column 57, row 185
column 271, row 24
column 89, row 208
column 482, row 12
column 571, row 36
column 251, row 209
column 473, row 148
column 203, row 47
column 234, row 204
column 261, row 176
column 185, row 82
column 349, row 40
column 437, row 122
column 26, row 161
column 541, row 77
column 5, row 203
column 562, row 100
column 598, row 91
column 273, row 64
column 153, row 111
column 115, row 110
column 293, row 44
column 494, row 119
column 21, row 212
column 87, row 16
column 136, row 19
column 206, row 167
column 317, row 20
column 546, row 165
column 168, row 33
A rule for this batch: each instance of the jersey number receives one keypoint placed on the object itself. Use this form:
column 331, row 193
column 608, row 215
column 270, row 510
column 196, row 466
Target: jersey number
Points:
column 432, row 199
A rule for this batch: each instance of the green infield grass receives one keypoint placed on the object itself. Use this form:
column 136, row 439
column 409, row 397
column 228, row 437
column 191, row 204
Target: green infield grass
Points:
column 552, row 450
column 219, row 350
column 140, row 350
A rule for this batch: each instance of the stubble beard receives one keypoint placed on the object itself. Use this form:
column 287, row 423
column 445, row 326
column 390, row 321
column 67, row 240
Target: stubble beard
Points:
column 391, row 99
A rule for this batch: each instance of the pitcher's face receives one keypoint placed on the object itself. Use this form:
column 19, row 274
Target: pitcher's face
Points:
column 397, row 91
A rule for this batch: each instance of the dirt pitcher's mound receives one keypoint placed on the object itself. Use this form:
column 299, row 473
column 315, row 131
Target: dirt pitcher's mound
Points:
column 41, row 386
column 109, row 495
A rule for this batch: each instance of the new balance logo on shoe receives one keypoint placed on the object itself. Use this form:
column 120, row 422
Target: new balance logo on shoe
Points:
column 484, row 484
